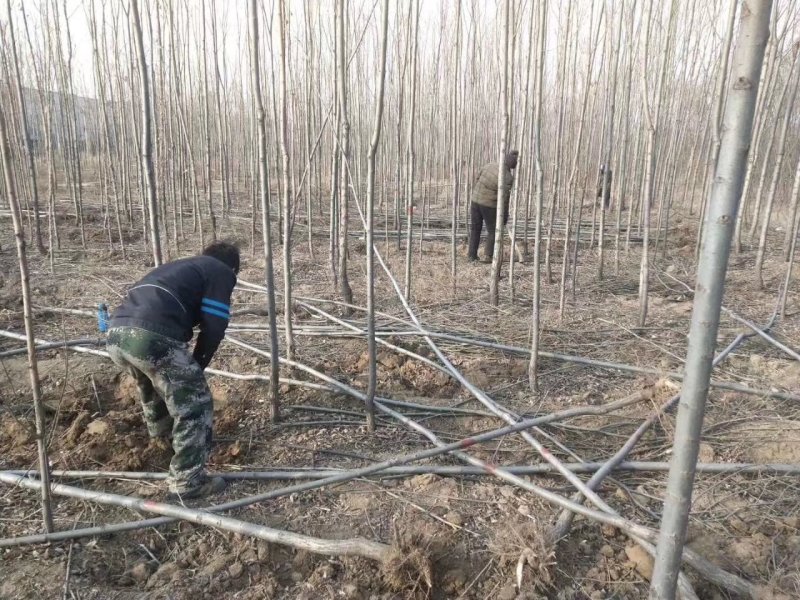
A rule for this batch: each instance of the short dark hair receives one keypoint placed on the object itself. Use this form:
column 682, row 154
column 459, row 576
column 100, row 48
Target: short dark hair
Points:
column 225, row 252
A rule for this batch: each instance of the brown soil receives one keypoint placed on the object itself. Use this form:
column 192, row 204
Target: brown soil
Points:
column 452, row 537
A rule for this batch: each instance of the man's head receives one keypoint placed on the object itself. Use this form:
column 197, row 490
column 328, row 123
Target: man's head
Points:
column 512, row 157
column 226, row 252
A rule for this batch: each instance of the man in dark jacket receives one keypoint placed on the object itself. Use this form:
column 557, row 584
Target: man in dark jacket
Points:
column 148, row 336
column 483, row 207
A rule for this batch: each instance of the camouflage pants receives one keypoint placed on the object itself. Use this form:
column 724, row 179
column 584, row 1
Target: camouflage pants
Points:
column 174, row 396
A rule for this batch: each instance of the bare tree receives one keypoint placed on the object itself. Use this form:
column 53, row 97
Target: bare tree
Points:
column 225, row 179
column 622, row 178
column 554, row 186
column 370, row 210
column 27, row 315
column 766, row 85
column 608, row 142
column 207, row 123
column 652, row 114
column 37, row 231
column 455, row 146
column 345, row 291
column 793, row 229
column 100, row 83
column 147, row 143
column 255, row 68
column 776, row 170
column 410, row 150
column 45, row 109
column 726, row 192
column 719, row 101
column 533, row 365
column 68, row 120
column 790, row 237
column 503, row 119
column 283, row 26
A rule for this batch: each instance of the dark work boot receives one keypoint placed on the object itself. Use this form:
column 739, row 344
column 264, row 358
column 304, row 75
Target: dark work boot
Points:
column 206, row 486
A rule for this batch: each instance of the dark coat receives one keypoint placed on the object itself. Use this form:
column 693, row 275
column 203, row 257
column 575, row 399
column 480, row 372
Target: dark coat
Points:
column 177, row 296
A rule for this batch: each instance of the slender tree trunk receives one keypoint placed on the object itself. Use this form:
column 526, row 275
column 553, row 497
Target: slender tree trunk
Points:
column 765, row 97
column 410, row 151
column 106, row 124
column 573, row 197
column 224, row 175
column 147, row 150
column 283, row 26
column 37, row 230
column 793, row 228
column 726, row 193
column 776, row 171
column 207, row 125
column 690, row 181
column 67, row 120
column 345, row 291
column 46, row 110
column 455, row 146
column 276, row 145
column 533, row 365
column 503, row 123
column 27, row 314
column 370, row 210
column 623, row 169
column 788, row 240
column 652, row 116
column 309, row 117
column 719, row 98
column 559, row 143
column 611, row 90
column 398, row 223
column 255, row 68
column 525, row 184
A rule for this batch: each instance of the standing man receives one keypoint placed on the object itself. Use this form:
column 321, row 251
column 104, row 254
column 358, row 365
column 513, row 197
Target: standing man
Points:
column 483, row 207
column 148, row 337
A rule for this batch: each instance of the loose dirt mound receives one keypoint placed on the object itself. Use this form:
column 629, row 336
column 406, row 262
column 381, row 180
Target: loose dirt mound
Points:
column 770, row 441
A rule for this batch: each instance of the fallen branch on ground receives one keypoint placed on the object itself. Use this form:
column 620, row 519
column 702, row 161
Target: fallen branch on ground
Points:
column 302, row 487
column 289, row 474
column 565, row 519
column 643, row 535
column 55, row 345
column 347, row 547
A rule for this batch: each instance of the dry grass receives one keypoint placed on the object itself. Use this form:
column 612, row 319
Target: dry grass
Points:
column 409, row 568
column 526, row 545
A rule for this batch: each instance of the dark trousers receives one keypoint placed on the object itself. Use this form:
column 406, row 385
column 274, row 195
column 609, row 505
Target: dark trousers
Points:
column 478, row 215
column 174, row 397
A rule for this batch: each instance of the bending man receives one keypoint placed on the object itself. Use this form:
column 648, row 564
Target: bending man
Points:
column 148, row 337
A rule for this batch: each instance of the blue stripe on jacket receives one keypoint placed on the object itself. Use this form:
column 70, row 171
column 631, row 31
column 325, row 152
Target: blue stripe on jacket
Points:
column 216, row 313
column 216, row 304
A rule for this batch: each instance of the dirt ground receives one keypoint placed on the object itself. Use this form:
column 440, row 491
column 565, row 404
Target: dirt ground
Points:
column 478, row 534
